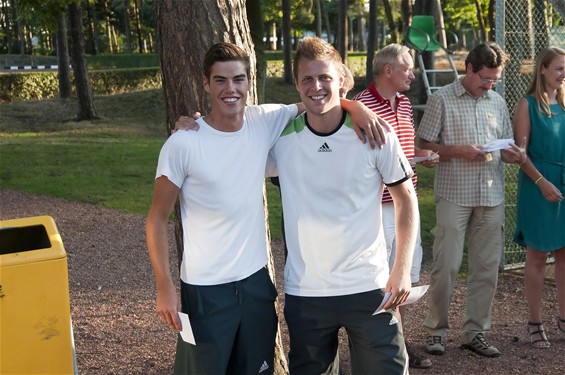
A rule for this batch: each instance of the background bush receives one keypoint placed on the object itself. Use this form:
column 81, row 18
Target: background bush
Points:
column 44, row 85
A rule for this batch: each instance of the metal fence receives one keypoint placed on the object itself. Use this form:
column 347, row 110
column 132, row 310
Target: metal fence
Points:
column 523, row 28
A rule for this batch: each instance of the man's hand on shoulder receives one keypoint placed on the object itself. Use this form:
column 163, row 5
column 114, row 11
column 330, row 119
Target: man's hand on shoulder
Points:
column 187, row 123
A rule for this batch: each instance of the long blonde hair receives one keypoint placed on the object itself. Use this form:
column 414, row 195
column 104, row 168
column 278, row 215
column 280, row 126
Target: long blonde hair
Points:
column 537, row 87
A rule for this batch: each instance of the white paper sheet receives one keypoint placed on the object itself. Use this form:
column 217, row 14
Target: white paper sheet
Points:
column 186, row 332
column 415, row 294
column 499, row 144
column 419, row 159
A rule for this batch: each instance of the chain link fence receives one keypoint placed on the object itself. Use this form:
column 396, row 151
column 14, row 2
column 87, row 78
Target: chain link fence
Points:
column 523, row 28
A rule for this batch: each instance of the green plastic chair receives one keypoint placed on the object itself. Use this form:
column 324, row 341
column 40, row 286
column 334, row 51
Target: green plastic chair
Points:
column 421, row 36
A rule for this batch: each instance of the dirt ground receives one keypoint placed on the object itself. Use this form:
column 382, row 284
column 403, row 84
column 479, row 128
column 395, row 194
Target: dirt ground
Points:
column 116, row 330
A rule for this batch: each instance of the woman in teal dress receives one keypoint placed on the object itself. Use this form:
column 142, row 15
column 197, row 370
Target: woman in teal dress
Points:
column 539, row 121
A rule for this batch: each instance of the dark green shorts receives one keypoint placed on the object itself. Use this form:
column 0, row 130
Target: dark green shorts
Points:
column 234, row 326
column 376, row 341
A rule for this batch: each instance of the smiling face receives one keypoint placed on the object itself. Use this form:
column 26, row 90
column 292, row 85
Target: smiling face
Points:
column 228, row 87
column 554, row 73
column 318, row 82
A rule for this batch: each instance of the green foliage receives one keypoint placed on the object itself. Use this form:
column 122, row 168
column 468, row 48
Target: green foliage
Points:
column 123, row 60
column 27, row 86
column 114, row 81
column 44, row 12
column 460, row 13
column 44, row 85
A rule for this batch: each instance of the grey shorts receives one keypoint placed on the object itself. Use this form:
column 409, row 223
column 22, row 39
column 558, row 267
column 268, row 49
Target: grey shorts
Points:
column 376, row 341
column 234, row 326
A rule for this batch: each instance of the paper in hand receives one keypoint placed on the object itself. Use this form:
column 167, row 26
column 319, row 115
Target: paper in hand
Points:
column 186, row 332
column 499, row 144
column 415, row 294
column 419, row 159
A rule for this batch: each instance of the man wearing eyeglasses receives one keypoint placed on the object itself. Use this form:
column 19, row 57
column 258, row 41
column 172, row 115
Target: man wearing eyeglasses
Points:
column 459, row 120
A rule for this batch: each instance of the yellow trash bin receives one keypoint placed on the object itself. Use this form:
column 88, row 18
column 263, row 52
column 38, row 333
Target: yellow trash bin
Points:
column 35, row 321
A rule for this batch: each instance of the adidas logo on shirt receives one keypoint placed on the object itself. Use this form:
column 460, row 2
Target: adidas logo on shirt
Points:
column 325, row 148
column 264, row 367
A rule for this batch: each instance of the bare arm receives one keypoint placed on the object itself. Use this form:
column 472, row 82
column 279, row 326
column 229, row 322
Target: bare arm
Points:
column 522, row 128
column 469, row 152
column 165, row 194
column 365, row 120
column 406, row 219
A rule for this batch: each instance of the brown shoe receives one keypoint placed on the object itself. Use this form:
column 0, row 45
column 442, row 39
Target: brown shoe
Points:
column 415, row 360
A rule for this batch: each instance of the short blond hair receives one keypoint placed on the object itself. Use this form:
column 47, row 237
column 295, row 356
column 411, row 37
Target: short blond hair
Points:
column 314, row 48
column 388, row 55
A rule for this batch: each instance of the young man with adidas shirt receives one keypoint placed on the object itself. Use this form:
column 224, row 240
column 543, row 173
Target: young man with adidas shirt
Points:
column 218, row 175
column 392, row 69
column 336, row 271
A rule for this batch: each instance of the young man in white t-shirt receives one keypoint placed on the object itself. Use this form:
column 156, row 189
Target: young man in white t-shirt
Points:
column 336, row 271
column 218, row 175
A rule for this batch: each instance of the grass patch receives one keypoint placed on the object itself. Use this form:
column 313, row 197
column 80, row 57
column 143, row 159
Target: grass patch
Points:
column 427, row 207
column 109, row 162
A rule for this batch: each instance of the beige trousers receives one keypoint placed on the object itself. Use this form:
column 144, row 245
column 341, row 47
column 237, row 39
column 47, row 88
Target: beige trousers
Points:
column 485, row 230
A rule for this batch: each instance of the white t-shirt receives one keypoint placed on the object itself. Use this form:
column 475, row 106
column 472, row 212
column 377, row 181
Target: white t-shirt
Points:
column 220, row 176
column 331, row 187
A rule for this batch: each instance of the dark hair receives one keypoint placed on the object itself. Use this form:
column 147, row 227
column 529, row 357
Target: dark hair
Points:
column 222, row 52
column 488, row 55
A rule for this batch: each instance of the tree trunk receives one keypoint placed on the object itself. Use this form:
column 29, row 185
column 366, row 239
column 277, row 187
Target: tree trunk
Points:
column 491, row 20
column 86, row 110
column 19, row 29
column 406, row 12
column 481, row 20
column 127, row 29
column 181, row 51
column 372, row 41
column 327, row 24
column 63, row 74
column 257, row 28
column 92, row 43
column 108, row 27
column 287, row 46
column 318, row 19
column 361, row 42
column 7, row 23
column 342, row 30
column 138, row 26
column 390, row 22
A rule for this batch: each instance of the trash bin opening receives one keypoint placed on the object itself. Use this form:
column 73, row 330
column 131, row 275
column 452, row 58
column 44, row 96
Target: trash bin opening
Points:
column 18, row 239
